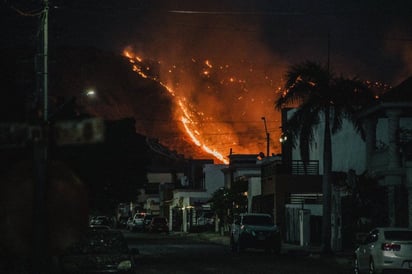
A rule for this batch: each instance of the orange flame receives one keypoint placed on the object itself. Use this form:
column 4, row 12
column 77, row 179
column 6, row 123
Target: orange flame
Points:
column 239, row 124
column 187, row 122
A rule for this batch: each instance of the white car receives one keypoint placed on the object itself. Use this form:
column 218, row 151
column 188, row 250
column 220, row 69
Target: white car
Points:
column 384, row 248
column 137, row 222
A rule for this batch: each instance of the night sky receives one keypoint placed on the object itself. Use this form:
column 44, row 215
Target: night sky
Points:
column 250, row 43
column 368, row 38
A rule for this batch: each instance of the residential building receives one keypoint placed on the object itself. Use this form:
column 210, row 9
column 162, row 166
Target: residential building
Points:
column 384, row 155
column 388, row 127
column 191, row 200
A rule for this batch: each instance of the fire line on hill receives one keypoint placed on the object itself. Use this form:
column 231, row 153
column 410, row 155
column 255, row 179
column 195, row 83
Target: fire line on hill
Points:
column 222, row 109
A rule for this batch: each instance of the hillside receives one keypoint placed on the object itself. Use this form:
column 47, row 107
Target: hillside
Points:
column 120, row 92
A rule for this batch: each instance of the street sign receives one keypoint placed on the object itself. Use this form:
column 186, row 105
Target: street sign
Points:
column 17, row 135
column 88, row 131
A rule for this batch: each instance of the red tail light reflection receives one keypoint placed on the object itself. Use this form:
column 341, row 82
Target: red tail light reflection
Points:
column 391, row 247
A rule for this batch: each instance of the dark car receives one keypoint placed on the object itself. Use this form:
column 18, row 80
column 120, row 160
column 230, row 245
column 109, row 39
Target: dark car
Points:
column 255, row 230
column 122, row 222
column 99, row 251
column 100, row 220
column 146, row 221
column 159, row 224
column 96, row 227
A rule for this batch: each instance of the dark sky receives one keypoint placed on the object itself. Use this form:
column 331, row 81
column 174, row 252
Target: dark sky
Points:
column 369, row 38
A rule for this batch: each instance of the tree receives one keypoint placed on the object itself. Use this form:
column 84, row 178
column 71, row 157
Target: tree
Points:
column 320, row 96
column 226, row 202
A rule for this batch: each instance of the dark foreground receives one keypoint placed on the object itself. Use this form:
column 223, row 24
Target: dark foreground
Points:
column 192, row 254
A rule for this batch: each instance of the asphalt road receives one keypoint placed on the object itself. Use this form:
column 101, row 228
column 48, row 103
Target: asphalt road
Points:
column 186, row 253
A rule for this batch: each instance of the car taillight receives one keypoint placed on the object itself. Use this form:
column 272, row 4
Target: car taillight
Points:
column 390, row 247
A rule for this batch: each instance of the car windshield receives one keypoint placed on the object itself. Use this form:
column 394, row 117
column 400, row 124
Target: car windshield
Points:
column 100, row 242
column 398, row 235
column 257, row 220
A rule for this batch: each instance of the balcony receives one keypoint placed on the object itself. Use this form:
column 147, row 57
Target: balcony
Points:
column 296, row 167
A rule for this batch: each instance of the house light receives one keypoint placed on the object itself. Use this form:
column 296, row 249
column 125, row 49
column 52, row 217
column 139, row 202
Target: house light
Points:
column 283, row 139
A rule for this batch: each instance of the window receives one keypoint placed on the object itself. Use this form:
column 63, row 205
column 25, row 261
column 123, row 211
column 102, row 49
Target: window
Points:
column 398, row 235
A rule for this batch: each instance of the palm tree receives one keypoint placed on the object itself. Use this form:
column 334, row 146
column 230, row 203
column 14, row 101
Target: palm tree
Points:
column 319, row 95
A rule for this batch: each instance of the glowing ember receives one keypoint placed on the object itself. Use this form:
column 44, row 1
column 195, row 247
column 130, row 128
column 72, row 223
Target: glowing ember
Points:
column 219, row 110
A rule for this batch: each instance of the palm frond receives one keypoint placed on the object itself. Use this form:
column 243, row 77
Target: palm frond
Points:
column 314, row 90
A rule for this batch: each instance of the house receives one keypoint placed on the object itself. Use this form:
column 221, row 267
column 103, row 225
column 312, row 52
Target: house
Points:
column 290, row 178
column 289, row 187
column 241, row 167
column 384, row 154
column 244, row 172
column 191, row 199
column 388, row 157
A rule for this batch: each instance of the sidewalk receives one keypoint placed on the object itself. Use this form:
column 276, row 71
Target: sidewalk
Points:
column 288, row 249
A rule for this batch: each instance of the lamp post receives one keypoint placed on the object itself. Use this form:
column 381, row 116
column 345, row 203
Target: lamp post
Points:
column 267, row 137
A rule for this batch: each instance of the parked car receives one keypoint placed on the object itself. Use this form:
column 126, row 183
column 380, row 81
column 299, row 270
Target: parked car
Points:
column 99, row 251
column 255, row 230
column 100, row 220
column 159, row 224
column 384, row 249
column 137, row 222
column 206, row 219
column 122, row 222
column 146, row 222
column 129, row 223
column 95, row 227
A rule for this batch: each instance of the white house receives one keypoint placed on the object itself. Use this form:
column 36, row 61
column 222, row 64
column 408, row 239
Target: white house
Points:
column 188, row 200
column 385, row 154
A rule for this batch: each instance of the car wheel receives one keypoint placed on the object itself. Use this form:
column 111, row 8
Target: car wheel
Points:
column 371, row 267
column 356, row 266
column 277, row 249
column 239, row 246
column 232, row 244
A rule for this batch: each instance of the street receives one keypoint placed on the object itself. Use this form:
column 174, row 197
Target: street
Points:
column 180, row 253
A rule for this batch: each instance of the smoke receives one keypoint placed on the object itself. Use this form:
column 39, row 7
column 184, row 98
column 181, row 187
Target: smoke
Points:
column 219, row 66
column 226, row 62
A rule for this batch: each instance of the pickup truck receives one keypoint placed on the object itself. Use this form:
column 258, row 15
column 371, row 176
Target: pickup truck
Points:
column 255, row 230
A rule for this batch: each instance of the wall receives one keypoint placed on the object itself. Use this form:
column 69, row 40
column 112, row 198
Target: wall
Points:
column 348, row 149
column 254, row 189
column 213, row 177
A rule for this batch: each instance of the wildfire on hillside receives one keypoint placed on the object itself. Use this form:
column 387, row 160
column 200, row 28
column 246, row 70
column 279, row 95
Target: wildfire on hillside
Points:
column 219, row 108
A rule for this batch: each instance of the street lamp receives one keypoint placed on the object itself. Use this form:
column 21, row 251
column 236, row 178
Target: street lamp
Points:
column 86, row 95
column 90, row 93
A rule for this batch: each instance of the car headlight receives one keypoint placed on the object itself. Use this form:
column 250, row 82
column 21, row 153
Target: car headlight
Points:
column 124, row 265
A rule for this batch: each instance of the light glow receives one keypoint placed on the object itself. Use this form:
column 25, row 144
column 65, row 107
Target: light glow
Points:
column 214, row 137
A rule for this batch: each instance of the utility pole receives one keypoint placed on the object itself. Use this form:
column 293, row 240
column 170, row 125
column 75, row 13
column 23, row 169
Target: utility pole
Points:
column 40, row 263
column 267, row 137
column 45, row 60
